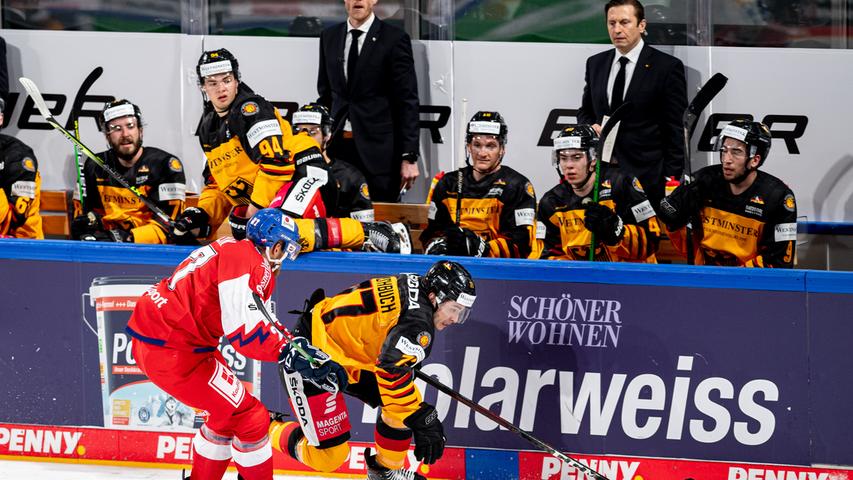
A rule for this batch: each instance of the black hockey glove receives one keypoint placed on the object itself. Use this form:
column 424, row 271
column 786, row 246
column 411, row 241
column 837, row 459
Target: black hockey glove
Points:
column 604, row 223
column 85, row 227
column 322, row 371
column 464, row 242
column 238, row 221
column 436, row 246
column 386, row 237
column 192, row 224
column 119, row 236
column 428, row 432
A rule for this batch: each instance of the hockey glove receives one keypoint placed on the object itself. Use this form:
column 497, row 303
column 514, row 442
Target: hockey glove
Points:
column 192, row 224
column 428, row 432
column 119, row 236
column 84, row 227
column 238, row 221
column 604, row 223
column 436, row 246
column 323, row 370
column 465, row 243
column 386, row 237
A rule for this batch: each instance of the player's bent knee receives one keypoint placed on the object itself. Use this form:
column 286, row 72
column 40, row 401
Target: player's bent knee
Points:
column 325, row 459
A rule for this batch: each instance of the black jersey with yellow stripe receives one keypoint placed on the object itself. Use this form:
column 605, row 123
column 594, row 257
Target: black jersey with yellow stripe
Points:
column 561, row 210
column 157, row 174
column 501, row 208
column 757, row 228
column 234, row 145
column 20, row 190
column 378, row 331
column 353, row 195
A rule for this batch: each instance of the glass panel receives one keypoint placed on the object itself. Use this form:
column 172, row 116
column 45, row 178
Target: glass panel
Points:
column 93, row 15
column 287, row 18
column 782, row 23
column 566, row 21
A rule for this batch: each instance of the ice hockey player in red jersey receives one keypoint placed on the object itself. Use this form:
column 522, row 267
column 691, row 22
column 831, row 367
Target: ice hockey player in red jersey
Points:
column 176, row 327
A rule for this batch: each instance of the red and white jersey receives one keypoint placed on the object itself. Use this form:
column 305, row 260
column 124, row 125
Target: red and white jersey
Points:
column 210, row 295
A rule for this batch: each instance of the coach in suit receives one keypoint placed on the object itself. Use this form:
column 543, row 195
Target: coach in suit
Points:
column 367, row 80
column 649, row 143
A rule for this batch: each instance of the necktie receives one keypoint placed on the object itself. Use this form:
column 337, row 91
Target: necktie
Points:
column 616, row 97
column 352, row 57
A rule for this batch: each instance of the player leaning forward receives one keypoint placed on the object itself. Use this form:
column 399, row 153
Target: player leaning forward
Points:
column 176, row 327
column 369, row 338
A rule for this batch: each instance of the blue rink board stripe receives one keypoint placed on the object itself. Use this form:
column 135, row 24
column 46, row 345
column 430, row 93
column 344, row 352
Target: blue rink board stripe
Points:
column 490, row 464
column 492, row 268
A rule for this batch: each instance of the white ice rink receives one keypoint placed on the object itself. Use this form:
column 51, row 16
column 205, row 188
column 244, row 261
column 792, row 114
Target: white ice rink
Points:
column 18, row 470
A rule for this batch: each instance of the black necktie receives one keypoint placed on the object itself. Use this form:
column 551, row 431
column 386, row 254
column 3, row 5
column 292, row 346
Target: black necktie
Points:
column 352, row 57
column 618, row 86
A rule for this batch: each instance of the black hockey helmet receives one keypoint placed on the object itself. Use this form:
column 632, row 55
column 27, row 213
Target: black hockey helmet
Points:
column 487, row 123
column 217, row 61
column 582, row 137
column 313, row 114
column 451, row 281
column 755, row 135
column 117, row 109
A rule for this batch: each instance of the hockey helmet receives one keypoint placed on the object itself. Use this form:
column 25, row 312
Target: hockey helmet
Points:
column 117, row 109
column 755, row 135
column 581, row 137
column 313, row 114
column 487, row 123
column 214, row 62
column 269, row 226
column 451, row 281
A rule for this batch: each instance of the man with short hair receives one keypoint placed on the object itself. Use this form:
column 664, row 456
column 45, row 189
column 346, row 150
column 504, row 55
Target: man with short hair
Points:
column 650, row 143
column 367, row 80
column 20, row 188
column 485, row 209
column 111, row 212
column 741, row 216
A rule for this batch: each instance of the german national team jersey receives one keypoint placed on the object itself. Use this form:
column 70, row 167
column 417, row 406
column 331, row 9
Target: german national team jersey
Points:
column 158, row 175
column 379, row 330
column 566, row 237
column 757, row 228
column 353, row 195
column 210, row 295
column 235, row 145
column 501, row 208
column 20, row 189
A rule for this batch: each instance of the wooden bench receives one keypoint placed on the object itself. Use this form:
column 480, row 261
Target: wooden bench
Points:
column 413, row 215
column 55, row 210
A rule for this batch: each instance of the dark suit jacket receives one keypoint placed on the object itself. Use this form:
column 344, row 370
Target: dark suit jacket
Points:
column 381, row 102
column 650, row 143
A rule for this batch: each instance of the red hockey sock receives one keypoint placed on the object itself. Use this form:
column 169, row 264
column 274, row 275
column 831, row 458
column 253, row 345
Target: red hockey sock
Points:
column 253, row 459
column 211, row 454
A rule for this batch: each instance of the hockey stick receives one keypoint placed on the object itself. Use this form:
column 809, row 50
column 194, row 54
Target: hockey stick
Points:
column 463, row 154
column 34, row 93
column 506, row 424
column 691, row 116
column 618, row 115
column 332, row 384
column 81, row 181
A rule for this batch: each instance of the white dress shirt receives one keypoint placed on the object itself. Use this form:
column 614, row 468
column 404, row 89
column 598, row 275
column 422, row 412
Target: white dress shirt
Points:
column 633, row 56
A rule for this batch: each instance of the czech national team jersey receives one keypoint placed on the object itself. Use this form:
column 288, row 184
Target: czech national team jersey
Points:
column 210, row 295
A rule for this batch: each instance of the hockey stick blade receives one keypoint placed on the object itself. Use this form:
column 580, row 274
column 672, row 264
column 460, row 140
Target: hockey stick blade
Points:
column 617, row 116
column 40, row 104
column 707, row 93
column 509, row 426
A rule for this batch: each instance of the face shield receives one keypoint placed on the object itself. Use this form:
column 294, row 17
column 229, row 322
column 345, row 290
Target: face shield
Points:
column 459, row 309
column 290, row 250
column 737, row 133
